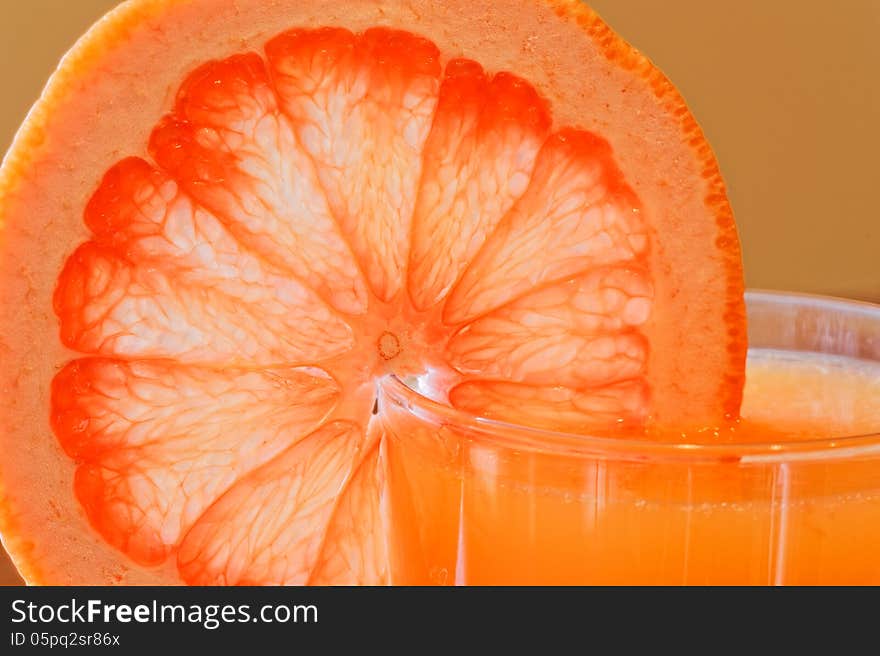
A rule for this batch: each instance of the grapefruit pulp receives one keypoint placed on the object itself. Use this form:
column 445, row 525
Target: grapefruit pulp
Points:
column 207, row 268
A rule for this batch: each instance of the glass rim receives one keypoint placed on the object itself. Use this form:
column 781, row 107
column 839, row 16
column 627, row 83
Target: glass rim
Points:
column 531, row 438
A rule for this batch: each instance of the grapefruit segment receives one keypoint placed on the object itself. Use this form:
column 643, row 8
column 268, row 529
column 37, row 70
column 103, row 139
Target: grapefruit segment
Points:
column 164, row 278
column 579, row 333
column 577, row 214
column 109, row 306
column 354, row 549
column 477, row 161
column 232, row 150
column 620, row 406
column 265, row 530
column 362, row 107
column 139, row 212
column 157, row 443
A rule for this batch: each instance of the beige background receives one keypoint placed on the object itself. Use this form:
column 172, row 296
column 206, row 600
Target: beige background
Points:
column 788, row 92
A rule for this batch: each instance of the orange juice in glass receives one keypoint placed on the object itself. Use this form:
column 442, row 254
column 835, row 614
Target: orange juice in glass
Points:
column 792, row 496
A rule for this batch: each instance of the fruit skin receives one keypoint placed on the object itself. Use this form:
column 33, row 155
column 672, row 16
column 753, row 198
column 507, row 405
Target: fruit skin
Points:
column 99, row 107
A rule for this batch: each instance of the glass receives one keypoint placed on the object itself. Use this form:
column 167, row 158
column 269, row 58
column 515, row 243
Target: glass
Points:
column 473, row 501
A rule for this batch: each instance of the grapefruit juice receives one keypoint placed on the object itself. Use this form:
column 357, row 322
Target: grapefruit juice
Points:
column 790, row 494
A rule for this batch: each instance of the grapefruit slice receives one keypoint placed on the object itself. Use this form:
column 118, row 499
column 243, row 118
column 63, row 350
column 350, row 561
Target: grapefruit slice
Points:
column 225, row 221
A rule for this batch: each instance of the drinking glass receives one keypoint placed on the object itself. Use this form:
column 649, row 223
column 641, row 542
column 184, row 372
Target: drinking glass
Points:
column 477, row 501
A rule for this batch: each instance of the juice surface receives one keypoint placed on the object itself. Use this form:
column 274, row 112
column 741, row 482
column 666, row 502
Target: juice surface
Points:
column 797, row 396
column 468, row 511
